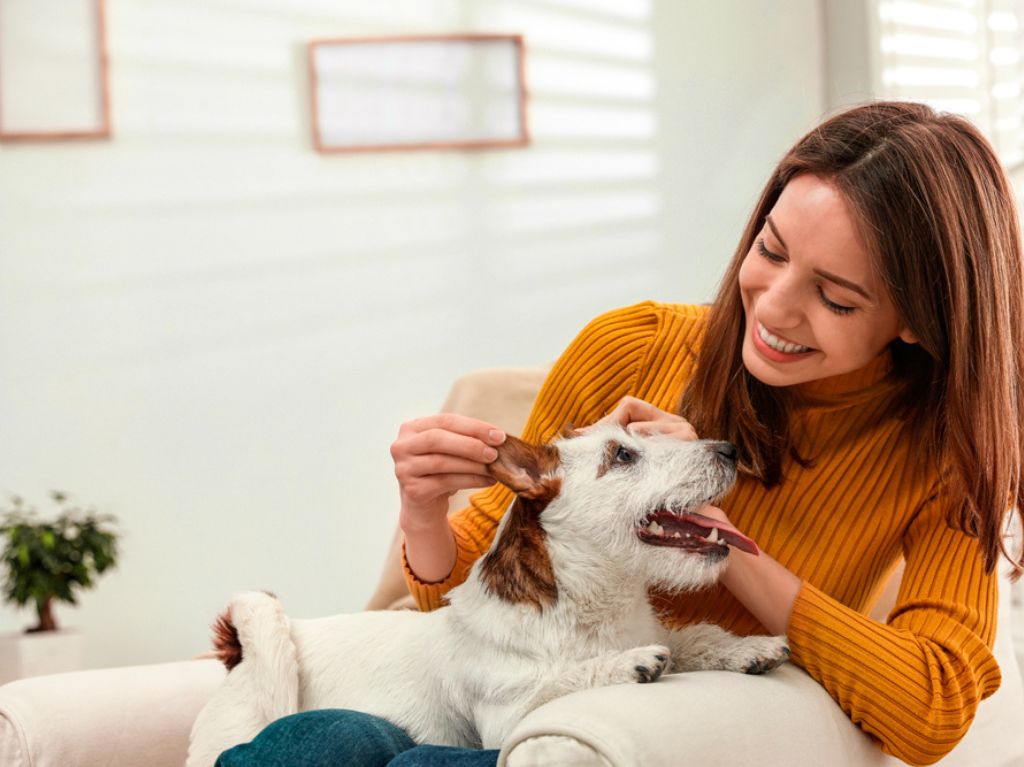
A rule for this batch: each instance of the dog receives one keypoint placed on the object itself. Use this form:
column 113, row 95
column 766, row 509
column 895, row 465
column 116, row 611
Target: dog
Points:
column 559, row 603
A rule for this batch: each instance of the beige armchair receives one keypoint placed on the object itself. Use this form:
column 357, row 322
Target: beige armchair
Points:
column 142, row 715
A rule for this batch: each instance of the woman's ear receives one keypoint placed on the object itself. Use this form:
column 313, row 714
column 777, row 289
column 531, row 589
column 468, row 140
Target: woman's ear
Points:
column 907, row 336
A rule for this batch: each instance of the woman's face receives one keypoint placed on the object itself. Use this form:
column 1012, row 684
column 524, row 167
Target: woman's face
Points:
column 814, row 306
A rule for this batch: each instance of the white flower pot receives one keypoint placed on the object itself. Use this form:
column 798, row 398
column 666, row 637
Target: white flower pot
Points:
column 44, row 652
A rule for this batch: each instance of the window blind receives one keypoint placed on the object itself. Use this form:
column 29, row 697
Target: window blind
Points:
column 959, row 56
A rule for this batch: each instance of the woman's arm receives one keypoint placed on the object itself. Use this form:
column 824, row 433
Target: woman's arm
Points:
column 435, row 457
column 915, row 681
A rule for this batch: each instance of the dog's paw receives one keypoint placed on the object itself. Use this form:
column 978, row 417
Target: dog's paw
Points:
column 762, row 654
column 641, row 664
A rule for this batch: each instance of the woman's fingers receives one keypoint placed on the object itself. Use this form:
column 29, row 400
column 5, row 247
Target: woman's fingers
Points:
column 437, row 455
column 457, row 424
column 448, row 434
column 424, row 490
column 631, row 409
column 680, row 429
column 433, row 464
column 642, row 417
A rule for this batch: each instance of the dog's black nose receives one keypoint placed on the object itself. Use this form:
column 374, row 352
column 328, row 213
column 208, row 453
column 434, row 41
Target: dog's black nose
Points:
column 726, row 450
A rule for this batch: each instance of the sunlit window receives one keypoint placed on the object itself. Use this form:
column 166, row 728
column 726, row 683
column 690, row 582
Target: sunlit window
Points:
column 960, row 56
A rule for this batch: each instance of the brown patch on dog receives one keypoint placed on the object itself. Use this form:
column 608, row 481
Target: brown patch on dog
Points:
column 226, row 647
column 611, row 458
column 518, row 569
column 608, row 459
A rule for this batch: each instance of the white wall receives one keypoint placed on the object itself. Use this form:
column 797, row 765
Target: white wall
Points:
column 214, row 333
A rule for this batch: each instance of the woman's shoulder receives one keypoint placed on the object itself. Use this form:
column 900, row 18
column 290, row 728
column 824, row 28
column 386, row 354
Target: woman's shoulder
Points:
column 646, row 342
column 651, row 316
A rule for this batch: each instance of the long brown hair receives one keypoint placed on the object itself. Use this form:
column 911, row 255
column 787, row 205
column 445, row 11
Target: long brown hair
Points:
column 937, row 214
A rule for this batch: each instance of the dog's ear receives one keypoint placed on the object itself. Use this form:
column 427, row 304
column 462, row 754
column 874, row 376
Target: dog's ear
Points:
column 524, row 468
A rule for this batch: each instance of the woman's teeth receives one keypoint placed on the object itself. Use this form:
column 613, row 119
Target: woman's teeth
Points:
column 778, row 344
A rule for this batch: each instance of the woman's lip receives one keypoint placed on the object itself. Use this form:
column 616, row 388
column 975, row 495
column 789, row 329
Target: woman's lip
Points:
column 780, row 336
column 772, row 354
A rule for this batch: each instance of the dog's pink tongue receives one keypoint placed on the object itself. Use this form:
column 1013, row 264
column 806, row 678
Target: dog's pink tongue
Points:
column 727, row 532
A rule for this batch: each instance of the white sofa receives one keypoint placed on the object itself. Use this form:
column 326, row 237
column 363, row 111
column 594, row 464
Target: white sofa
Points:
column 142, row 715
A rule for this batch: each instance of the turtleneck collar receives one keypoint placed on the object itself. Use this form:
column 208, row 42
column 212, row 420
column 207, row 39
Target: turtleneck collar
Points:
column 848, row 388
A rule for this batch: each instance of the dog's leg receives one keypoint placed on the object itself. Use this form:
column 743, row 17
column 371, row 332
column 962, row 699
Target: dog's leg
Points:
column 706, row 646
column 263, row 687
column 635, row 665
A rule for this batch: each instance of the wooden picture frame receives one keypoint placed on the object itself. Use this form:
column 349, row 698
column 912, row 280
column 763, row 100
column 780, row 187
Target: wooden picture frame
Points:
column 412, row 92
column 54, row 78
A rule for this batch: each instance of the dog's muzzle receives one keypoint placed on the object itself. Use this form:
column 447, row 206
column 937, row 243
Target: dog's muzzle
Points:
column 693, row 532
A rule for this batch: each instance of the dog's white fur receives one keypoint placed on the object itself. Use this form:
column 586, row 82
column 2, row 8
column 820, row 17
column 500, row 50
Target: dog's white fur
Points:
column 467, row 673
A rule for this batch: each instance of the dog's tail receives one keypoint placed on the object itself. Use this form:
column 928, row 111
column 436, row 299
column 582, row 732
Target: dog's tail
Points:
column 227, row 647
column 253, row 639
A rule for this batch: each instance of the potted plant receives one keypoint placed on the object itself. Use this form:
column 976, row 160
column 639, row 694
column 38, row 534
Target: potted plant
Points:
column 44, row 563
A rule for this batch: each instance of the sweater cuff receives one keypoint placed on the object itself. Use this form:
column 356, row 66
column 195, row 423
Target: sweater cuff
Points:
column 811, row 610
column 429, row 596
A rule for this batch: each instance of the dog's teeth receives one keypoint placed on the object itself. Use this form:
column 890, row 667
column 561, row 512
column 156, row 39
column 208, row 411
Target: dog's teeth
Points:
column 655, row 528
column 714, row 535
column 676, row 534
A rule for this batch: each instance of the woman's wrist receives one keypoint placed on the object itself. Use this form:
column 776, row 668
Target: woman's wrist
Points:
column 766, row 588
column 430, row 549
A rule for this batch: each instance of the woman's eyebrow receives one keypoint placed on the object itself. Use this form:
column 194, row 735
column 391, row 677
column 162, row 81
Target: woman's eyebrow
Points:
column 842, row 282
column 771, row 225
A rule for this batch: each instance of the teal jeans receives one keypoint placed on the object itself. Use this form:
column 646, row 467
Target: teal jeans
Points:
column 334, row 737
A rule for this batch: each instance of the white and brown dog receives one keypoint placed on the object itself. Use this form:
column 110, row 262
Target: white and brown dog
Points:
column 559, row 603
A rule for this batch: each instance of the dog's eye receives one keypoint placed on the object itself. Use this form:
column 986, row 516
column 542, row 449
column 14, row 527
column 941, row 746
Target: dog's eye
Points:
column 624, row 455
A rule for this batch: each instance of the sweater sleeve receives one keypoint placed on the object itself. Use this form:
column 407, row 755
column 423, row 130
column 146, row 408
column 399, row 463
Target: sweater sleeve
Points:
column 913, row 683
column 598, row 368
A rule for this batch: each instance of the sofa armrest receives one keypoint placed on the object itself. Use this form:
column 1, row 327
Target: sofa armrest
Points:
column 718, row 718
column 132, row 715
column 705, row 718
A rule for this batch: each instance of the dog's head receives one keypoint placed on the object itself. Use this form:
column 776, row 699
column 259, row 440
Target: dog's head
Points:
column 608, row 498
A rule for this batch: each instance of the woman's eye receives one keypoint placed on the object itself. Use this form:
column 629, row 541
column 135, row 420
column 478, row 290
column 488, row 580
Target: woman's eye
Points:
column 623, row 455
column 832, row 305
column 773, row 257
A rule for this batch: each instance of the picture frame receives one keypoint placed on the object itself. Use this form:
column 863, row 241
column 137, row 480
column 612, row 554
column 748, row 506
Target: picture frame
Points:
column 54, row 78
column 416, row 92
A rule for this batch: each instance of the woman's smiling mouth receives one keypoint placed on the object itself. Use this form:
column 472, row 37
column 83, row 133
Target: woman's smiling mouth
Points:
column 775, row 348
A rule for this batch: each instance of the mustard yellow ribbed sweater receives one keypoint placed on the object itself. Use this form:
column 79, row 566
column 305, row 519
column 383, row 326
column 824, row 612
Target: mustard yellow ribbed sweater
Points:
column 841, row 525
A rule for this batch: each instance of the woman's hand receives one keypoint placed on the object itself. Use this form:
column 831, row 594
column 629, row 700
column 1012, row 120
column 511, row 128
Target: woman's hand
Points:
column 644, row 418
column 715, row 513
column 435, row 457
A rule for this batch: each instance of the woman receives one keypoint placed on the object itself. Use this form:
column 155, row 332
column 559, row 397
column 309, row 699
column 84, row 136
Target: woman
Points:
column 864, row 353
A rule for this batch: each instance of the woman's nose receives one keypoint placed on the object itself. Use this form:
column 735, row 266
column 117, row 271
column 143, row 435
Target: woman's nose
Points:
column 778, row 305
